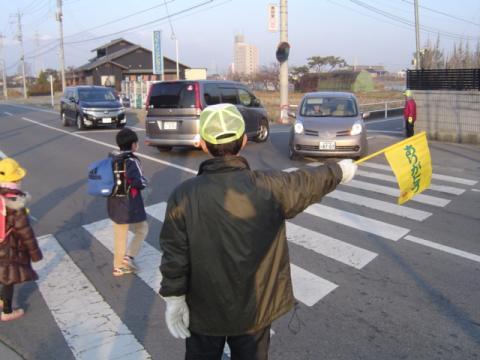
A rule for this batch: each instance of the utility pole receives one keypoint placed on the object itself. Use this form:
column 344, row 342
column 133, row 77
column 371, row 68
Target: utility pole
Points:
column 284, row 64
column 417, row 37
column 4, row 69
column 22, row 58
column 62, row 55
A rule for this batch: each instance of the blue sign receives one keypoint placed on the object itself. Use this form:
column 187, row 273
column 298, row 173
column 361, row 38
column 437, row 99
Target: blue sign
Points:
column 157, row 56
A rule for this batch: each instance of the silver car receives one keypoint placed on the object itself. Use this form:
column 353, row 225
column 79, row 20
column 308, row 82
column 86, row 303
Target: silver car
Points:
column 328, row 124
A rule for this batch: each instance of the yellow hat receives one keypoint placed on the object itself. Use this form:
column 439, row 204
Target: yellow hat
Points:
column 221, row 124
column 407, row 93
column 10, row 170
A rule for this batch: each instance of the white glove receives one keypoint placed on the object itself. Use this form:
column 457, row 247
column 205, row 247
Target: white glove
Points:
column 348, row 170
column 177, row 316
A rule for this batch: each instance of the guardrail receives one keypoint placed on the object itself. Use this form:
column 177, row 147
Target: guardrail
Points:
column 378, row 109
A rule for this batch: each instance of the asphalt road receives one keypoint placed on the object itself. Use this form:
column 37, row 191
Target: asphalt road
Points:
column 373, row 280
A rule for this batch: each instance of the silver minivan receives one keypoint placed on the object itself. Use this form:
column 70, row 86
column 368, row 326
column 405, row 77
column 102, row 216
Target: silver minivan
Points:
column 174, row 107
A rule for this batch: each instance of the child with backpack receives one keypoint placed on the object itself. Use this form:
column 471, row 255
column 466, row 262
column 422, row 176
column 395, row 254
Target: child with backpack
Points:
column 18, row 245
column 126, row 208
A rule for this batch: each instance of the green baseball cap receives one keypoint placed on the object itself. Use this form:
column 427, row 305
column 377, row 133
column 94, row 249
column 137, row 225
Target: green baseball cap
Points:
column 221, row 124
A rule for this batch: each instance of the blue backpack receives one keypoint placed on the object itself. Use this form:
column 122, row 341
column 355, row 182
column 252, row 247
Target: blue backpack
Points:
column 107, row 177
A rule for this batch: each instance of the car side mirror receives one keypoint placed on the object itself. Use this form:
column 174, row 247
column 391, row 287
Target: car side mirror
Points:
column 256, row 102
column 292, row 114
column 71, row 98
column 365, row 115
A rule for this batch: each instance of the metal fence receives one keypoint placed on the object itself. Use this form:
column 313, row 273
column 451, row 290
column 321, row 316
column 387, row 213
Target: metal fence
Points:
column 444, row 79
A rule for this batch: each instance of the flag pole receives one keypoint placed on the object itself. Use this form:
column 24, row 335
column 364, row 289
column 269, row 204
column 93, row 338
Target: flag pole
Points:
column 368, row 157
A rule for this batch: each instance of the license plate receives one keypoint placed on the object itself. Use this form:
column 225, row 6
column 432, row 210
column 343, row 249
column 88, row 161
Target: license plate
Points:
column 107, row 120
column 169, row 125
column 327, row 145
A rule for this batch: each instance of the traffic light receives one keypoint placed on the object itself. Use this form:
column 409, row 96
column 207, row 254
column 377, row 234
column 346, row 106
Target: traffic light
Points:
column 283, row 50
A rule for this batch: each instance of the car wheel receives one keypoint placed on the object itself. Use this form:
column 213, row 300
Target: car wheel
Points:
column 263, row 132
column 64, row 119
column 164, row 148
column 80, row 124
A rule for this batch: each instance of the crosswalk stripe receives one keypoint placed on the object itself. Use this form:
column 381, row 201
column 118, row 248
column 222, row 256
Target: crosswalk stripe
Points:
column 290, row 169
column 148, row 259
column 91, row 328
column 389, row 178
column 380, row 228
column 309, row 288
column 399, row 210
column 454, row 179
column 333, row 248
column 444, row 248
column 447, row 178
column 315, row 163
column 421, row 198
column 320, row 287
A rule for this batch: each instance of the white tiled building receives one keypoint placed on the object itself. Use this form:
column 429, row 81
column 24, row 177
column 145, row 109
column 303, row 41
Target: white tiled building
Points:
column 245, row 57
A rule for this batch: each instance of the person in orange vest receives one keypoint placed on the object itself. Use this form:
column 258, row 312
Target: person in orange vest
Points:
column 409, row 113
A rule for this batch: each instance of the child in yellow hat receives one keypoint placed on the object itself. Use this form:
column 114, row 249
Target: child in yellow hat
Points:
column 18, row 245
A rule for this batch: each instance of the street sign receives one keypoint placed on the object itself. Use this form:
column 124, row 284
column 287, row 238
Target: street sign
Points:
column 272, row 17
column 157, row 55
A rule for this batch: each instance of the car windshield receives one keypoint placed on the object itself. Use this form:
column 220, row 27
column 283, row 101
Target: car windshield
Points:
column 328, row 106
column 95, row 95
column 172, row 95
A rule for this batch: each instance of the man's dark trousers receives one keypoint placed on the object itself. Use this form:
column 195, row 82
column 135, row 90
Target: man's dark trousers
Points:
column 409, row 128
column 252, row 346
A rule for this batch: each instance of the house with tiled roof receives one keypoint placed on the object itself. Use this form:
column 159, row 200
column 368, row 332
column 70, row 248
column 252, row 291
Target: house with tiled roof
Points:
column 121, row 60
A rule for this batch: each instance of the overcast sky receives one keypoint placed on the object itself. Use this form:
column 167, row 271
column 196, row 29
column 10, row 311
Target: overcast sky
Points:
column 363, row 32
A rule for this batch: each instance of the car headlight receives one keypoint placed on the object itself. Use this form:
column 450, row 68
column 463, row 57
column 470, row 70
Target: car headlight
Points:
column 356, row 129
column 298, row 128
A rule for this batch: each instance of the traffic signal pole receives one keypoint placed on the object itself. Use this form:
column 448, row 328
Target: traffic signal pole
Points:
column 284, row 64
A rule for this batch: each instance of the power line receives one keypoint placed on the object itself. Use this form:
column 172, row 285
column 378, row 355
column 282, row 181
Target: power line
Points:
column 51, row 48
column 409, row 23
column 140, row 26
column 445, row 14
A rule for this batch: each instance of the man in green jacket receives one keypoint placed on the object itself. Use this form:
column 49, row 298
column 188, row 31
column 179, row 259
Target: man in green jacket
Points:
column 225, row 263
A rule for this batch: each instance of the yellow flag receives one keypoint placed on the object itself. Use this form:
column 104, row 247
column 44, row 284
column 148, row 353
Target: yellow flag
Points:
column 411, row 164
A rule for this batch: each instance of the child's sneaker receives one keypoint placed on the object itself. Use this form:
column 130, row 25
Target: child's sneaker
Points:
column 128, row 260
column 14, row 315
column 119, row 271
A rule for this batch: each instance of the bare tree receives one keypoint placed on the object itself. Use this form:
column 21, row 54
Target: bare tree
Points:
column 269, row 76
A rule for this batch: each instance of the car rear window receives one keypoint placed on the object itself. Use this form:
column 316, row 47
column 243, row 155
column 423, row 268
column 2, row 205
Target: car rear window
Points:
column 96, row 95
column 172, row 95
column 328, row 106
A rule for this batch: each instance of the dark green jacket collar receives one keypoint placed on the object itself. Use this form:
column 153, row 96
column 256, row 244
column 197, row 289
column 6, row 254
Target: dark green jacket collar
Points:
column 223, row 164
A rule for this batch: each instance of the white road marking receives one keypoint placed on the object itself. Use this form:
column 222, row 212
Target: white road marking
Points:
column 330, row 247
column 389, row 178
column 91, row 328
column 191, row 171
column 399, row 210
column 315, row 163
column 2, row 155
column 380, row 228
column 434, row 176
column 309, row 288
column 148, row 258
column 476, row 190
column 454, row 179
column 421, row 198
column 7, row 113
column 444, row 248
column 290, row 169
